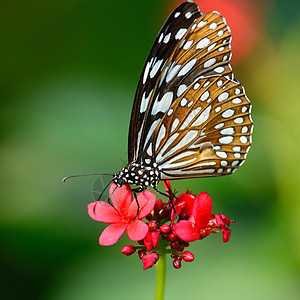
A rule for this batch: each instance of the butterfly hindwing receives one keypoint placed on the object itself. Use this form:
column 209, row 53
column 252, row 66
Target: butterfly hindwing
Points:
column 206, row 131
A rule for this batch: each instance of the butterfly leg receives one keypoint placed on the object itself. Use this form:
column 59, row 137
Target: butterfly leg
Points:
column 134, row 191
column 170, row 197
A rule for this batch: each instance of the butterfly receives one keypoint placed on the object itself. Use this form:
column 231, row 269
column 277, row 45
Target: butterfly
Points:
column 190, row 117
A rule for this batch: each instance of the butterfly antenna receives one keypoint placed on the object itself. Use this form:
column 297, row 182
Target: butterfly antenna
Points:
column 105, row 189
column 95, row 174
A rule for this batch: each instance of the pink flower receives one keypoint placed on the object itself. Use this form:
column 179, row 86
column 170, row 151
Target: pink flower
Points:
column 122, row 214
column 190, row 230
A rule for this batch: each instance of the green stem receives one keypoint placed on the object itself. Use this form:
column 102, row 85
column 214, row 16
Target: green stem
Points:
column 160, row 277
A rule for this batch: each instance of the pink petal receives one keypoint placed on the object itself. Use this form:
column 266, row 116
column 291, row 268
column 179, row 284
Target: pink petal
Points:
column 149, row 260
column 137, row 230
column 103, row 212
column 111, row 234
column 202, row 209
column 226, row 234
column 189, row 200
column 186, row 230
column 121, row 197
column 146, row 201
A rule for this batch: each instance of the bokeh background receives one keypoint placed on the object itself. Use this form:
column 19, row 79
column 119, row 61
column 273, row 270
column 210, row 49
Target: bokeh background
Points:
column 68, row 74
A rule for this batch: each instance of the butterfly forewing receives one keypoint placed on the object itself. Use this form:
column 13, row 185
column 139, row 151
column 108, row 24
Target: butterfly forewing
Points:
column 164, row 46
column 206, row 132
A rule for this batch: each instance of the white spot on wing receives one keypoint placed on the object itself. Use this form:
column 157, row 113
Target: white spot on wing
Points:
column 235, row 163
column 245, row 129
column 206, row 83
column 203, row 43
column 212, row 46
column 145, row 102
column 175, row 124
column 220, row 33
column 236, row 101
column 169, row 141
column 155, row 68
column 172, row 72
column 192, row 134
column 177, row 15
column 201, row 23
column 204, row 96
column 169, row 113
column 163, row 105
column 203, row 117
column 223, row 97
column 221, row 154
column 226, row 139
column 220, row 125
column 237, row 148
column 188, row 44
column 188, row 15
column 151, row 130
column 228, row 113
column 187, row 67
column 237, row 155
column 239, row 120
column 161, row 135
column 219, row 69
column 224, row 163
column 209, row 62
column 243, row 139
column 229, row 130
column 180, row 33
column 196, row 86
column 160, row 38
column 183, row 102
column 213, row 26
column 149, row 150
column 167, row 38
column 182, row 88
column 147, row 71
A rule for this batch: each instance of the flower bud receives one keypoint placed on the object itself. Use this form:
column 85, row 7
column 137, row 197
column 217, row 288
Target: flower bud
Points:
column 173, row 245
column 165, row 228
column 187, row 256
column 155, row 238
column 153, row 225
column 177, row 264
column 158, row 205
column 172, row 237
column 141, row 253
column 128, row 250
column 149, row 260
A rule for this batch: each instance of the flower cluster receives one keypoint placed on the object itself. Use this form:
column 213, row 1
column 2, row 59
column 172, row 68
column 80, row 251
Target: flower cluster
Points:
column 161, row 232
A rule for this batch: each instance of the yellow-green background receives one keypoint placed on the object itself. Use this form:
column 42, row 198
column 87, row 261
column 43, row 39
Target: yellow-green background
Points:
column 68, row 75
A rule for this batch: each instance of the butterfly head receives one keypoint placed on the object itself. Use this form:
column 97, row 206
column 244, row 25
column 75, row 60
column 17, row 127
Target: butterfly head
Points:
column 137, row 174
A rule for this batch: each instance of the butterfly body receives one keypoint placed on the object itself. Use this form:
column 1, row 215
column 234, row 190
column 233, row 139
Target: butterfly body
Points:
column 139, row 175
column 190, row 117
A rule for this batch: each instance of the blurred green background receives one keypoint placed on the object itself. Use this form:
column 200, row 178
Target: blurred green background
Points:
column 69, row 70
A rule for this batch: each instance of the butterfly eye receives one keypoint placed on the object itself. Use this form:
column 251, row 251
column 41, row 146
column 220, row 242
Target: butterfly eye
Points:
column 121, row 181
